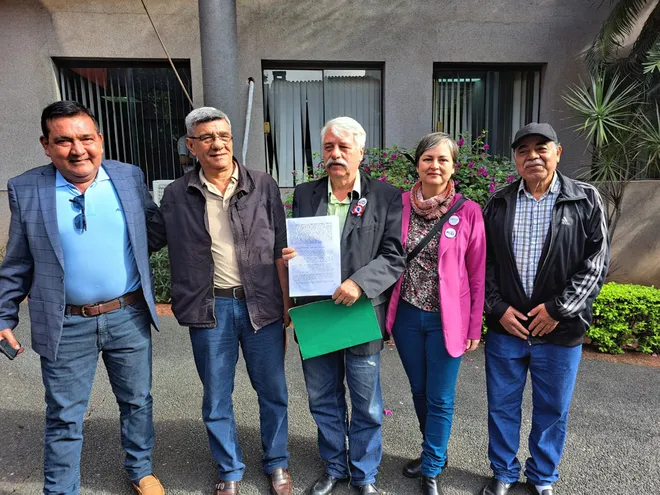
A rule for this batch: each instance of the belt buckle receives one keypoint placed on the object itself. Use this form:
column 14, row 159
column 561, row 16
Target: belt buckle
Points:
column 233, row 292
column 83, row 312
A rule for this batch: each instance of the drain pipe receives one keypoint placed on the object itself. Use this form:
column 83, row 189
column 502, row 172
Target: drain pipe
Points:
column 248, row 117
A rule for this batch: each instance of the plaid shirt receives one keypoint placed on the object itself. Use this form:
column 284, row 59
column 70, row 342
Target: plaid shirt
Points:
column 530, row 227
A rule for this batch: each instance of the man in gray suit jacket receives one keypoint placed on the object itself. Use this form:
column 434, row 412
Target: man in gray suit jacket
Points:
column 77, row 249
column 372, row 259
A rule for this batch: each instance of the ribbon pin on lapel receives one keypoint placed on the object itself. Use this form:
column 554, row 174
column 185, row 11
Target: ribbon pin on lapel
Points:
column 358, row 209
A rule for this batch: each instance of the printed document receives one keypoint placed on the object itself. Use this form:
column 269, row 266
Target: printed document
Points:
column 316, row 269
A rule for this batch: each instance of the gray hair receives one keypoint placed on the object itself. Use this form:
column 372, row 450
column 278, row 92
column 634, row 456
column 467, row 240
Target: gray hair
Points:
column 341, row 126
column 204, row 114
column 431, row 141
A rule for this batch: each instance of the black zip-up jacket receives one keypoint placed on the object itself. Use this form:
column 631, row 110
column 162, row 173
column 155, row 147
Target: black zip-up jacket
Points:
column 259, row 229
column 572, row 267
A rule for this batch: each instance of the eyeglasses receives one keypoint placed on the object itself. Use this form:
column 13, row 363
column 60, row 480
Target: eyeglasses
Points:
column 224, row 137
column 80, row 220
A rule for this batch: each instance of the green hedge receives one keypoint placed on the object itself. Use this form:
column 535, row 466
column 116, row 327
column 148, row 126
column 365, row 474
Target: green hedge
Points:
column 160, row 263
column 626, row 317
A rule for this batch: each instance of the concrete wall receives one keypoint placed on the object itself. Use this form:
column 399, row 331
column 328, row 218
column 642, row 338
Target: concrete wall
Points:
column 636, row 243
column 409, row 36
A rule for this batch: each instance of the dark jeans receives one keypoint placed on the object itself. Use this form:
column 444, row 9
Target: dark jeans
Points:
column 216, row 355
column 324, row 377
column 553, row 370
column 432, row 373
column 123, row 337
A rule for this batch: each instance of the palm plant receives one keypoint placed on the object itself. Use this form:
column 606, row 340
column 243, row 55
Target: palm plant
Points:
column 615, row 109
column 606, row 111
column 642, row 63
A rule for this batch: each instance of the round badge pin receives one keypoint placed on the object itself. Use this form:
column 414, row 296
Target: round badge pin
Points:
column 450, row 233
column 453, row 220
column 362, row 201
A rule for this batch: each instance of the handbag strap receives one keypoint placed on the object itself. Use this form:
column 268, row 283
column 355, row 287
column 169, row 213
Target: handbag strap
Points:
column 436, row 228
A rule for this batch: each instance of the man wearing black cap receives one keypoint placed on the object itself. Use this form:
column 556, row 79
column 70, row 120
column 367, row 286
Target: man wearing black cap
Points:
column 547, row 257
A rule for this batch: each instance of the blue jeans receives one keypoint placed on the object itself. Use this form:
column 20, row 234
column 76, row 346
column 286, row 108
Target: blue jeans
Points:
column 324, row 378
column 553, row 370
column 432, row 373
column 216, row 355
column 123, row 337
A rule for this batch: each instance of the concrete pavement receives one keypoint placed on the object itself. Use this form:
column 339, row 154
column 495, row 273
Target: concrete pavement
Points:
column 613, row 443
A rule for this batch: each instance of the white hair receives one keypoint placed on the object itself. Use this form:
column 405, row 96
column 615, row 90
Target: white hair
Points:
column 204, row 114
column 341, row 126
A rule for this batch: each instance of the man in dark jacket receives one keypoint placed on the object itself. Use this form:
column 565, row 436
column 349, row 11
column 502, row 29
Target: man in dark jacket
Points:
column 547, row 257
column 225, row 229
column 371, row 261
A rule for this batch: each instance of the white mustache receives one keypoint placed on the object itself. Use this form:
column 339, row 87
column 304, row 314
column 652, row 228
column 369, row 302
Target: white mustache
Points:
column 338, row 161
column 534, row 162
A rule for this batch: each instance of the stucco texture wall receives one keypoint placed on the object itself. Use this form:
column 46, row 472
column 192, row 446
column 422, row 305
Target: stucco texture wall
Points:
column 636, row 242
column 33, row 32
column 409, row 36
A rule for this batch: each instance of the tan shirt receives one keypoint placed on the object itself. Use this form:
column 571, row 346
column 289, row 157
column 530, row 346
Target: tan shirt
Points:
column 225, row 265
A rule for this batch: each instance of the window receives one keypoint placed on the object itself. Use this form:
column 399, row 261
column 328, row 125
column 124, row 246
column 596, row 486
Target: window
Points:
column 140, row 107
column 299, row 101
column 500, row 100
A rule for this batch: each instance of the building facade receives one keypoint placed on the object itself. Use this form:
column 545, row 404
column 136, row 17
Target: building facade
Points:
column 402, row 68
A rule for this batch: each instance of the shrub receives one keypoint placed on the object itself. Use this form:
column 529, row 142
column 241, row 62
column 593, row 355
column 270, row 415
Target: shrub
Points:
column 160, row 264
column 478, row 173
column 626, row 316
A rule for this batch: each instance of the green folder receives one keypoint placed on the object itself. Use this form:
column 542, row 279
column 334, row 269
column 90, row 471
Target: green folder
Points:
column 323, row 327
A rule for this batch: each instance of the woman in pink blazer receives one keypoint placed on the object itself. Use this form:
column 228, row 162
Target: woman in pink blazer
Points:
column 435, row 312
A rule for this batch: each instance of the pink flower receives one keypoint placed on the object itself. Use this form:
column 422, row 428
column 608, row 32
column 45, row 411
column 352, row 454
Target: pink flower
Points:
column 491, row 187
column 367, row 170
column 460, row 142
column 471, row 164
column 510, row 178
column 482, row 171
column 486, row 147
column 383, row 179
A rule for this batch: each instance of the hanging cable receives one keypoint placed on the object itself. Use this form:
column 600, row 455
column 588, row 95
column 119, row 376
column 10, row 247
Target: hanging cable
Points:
column 168, row 55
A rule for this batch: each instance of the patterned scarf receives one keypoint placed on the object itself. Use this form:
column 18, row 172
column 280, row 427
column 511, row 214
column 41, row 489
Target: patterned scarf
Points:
column 434, row 207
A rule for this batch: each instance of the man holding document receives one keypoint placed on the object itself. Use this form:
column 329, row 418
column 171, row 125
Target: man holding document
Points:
column 368, row 226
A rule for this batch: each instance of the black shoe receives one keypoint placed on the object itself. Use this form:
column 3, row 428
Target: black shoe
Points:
column 496, row 487
column 367, row 489
column 531, row 488
column 430, row 486
column 324, row 485
column 414, row 468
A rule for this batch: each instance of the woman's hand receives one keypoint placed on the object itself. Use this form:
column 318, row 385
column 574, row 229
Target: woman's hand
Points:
column 472, row 344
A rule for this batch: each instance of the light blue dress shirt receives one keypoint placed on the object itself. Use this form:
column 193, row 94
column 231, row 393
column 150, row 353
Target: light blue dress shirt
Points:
column 98, row 262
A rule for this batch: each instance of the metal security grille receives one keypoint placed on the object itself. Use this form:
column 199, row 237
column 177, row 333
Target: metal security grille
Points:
column 140, row 108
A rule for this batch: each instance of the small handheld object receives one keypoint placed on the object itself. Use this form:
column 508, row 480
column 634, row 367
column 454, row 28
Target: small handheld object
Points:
column 7, row 349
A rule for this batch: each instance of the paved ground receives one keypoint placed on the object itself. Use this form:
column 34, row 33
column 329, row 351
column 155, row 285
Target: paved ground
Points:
column 613, row 445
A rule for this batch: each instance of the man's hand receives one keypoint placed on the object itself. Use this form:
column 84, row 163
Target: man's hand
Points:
column 472, row 344
column 511, row 322
column 543, row 323
column 8, row 335
column 347, row 293
column 288, row 253
column 288, row 304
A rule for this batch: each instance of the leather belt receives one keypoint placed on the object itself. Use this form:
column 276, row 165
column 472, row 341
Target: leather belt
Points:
column 233, row 292
column 90, row 310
